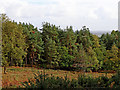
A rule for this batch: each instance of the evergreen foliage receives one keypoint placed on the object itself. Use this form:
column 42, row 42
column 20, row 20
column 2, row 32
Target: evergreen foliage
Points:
column 53, row 47
column 43, row 81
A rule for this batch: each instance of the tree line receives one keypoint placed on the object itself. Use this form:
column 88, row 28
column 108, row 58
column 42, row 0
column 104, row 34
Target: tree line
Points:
column 53, row 47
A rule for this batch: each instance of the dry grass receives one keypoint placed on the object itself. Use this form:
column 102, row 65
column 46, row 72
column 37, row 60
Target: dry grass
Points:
column 15, row 75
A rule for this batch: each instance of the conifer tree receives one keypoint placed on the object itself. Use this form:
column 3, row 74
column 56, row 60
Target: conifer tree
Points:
column 80, row 57
column 69, row 39
column 112, row 60
column 34, row 47
column 92, row 59
column 13, row 42
column 50, row 37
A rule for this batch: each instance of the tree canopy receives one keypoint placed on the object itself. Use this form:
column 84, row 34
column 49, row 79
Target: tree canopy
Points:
column 53, row 47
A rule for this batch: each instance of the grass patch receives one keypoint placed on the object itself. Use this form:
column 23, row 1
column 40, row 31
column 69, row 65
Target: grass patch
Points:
column 42, row 80
column 15, row 75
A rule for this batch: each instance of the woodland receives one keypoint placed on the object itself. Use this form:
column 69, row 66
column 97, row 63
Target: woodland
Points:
column 56, row 48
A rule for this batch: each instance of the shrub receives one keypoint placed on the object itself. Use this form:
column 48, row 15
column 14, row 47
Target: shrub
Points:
column 43, row 81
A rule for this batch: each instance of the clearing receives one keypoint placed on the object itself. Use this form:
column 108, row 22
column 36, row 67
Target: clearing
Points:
column 15, row 75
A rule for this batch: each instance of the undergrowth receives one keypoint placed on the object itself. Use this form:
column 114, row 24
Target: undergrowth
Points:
column 43, row 81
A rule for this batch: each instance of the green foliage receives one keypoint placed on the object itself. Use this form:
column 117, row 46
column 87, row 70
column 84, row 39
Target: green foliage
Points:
column 13, row 42
column 52, row 46
column 112, row 60
column 43, row 81
column 34, row 47
column 49, row 36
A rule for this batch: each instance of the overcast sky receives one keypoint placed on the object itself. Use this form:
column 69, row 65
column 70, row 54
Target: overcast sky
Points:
column 97, row 15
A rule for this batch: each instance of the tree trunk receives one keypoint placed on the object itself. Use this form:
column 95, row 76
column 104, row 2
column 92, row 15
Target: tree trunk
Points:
column 26, row 61
column 32, row 59
column 70, row 49
column 4, row 69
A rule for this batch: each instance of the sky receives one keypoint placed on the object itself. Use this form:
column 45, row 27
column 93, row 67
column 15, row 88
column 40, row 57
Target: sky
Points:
column 97, row 15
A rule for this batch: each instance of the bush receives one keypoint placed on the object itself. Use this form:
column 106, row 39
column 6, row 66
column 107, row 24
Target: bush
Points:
column 43, row 81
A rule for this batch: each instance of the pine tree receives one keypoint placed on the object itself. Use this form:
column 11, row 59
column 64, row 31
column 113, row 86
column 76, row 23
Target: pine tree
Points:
column 66, row 60
column 114, row 57
column 34, row 47
column 92, row 59
column 112, row 60
column 50, row 38
column 80, row 57
column 69, row 39
column 13, row 42
column 52, row 52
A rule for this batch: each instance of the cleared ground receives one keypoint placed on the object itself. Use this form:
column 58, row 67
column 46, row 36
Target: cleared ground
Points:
column 15, row 75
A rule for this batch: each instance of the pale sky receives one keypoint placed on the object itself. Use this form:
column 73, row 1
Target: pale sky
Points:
column 97, row 15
